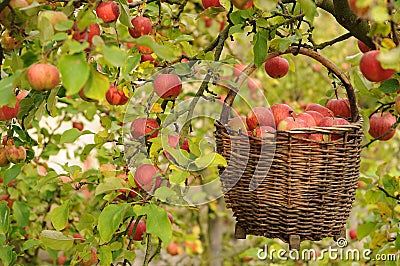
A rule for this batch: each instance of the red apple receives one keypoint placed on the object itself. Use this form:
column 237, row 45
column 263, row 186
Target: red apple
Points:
column 173, row 140
column 242, row 4
column 147, row 177
column 211, row 3
column 86, row 34
column 53, row 16
column 146, row 57
column 140, row 229
column 108, row 11
column 7, row 198
column 320, row 109
column 310, row 121
column 380, row 124
column 260, row 116
column 141, row 26
column 316, row 137
column 277, row 67
column 353, row 233
column 265, row 132
column 167, row 86
column 331, row 122
column 254, row 84
column 77, row 125
column 238, row 69
column 372, row 69
column 7, row 113
column 144, row 126
column 363, row 47
column 238, row 123
column 115, row 96
column 16, row 154
column 291, row 123
column 171, row 219
column 280, row 112
column 339, row 107
column 3, row 157
column 174, row 249
column 316, row 115
column 43, row 76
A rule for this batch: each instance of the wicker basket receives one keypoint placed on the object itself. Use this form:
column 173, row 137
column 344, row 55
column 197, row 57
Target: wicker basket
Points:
column 294, row 189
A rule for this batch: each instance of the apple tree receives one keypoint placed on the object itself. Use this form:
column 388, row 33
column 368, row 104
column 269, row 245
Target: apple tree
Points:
column 107, row 112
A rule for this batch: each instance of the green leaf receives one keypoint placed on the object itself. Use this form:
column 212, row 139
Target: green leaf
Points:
column 379, row 13
column 165, row 194
column 4, row 218
column 21, row 212
column 59, row 216
column 56, row 240
column 7, row 255
column 74, row 72
column 109, row 220
column 97, row 85
column 46, row 29
column 165, row 52
column 30, row 243
column 6, row 89
column 105, row 255
column 260, row 47
column 235, row 29
column 51, row 101
column 389, row 86
column 184, row 38
column 72, row 134
column 86, row 221
column 178, row 176
column 390, row 59
column 309, row 9
column 64, row 25
column 372, row 196
column 74, row 47
column 114, row 55
column 111, row 184
column 365, row 229
column 157, row 222
column 124, row 17
column 12, row 173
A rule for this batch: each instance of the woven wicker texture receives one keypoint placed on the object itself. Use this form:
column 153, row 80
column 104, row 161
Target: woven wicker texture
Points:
column 290, row 185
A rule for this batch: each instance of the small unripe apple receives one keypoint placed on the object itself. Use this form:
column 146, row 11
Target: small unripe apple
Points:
column 259, row 116
column 281, row 111
column 77, row 125
column 147, row 177
column 144, row 126
column 86, row 34
column 277, row 67
column 140, row 229
column 167, row 86
column 372, row 69
column 359, row 11
column 3, row 157
column 353, row 233
column 242, row 4
column 141, row 26
column 211, row 3
column 16, row 154
column 320, row 109
column 380, row 124
column 339, row 107
column 108, row 11
column 115, row 96
column 53, row 16
column 43, row 77
column 363, row 47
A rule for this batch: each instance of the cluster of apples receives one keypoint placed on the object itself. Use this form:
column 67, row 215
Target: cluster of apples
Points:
column 9, row 153
column 263, row 122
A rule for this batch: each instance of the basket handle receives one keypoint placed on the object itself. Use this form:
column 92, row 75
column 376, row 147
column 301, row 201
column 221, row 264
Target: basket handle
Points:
column 294, row 50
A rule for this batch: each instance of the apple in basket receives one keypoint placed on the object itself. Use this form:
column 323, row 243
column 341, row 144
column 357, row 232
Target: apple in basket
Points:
column 339, row 107
column 259, row 116
column 320, row 109
column 331, row 122
column 281, row 111
column 238, row 123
